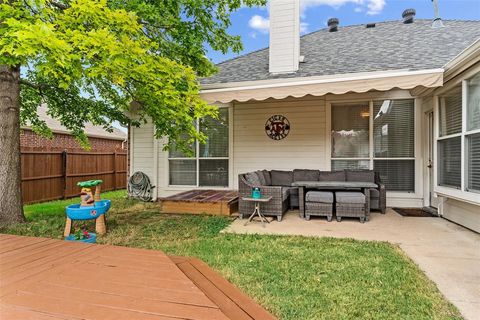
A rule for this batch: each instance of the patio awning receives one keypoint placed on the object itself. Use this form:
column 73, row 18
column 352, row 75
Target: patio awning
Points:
column 319, row 86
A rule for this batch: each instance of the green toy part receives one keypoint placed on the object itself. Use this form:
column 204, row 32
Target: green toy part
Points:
column 89, row 183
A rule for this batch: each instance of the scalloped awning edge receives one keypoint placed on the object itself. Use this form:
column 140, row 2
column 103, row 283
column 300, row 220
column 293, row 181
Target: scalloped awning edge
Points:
column 383, row 82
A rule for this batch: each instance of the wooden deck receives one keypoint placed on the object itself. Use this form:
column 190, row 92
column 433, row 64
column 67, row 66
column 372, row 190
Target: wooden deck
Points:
column 215, row 202
column 54, row 279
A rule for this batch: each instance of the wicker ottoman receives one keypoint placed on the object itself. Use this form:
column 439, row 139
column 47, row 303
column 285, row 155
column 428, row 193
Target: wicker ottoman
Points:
column 350, row 204
column 319, row 203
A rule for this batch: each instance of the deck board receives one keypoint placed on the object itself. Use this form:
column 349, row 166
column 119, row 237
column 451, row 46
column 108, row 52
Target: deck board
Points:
column 54, row 279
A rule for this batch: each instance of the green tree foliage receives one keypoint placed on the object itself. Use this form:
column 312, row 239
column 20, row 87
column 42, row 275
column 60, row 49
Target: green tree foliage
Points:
column 92, row 60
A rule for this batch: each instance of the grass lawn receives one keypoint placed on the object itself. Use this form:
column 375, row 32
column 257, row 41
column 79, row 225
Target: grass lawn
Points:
column 293, row 277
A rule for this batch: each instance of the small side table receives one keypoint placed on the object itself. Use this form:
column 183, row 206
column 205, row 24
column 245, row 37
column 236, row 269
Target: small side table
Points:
column 257, row 211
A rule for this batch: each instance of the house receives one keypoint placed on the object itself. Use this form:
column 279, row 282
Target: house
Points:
column 100, row 139
column 400, row 97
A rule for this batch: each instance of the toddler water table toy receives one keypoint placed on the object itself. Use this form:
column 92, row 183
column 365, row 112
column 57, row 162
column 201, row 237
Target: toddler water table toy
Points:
column 91, row 207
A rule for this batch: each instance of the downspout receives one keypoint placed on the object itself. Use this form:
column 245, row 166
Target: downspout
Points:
column 155, row 168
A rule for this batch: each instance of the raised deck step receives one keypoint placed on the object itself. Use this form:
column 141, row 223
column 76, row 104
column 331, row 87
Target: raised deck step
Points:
column 215, row 202
column 231, row 301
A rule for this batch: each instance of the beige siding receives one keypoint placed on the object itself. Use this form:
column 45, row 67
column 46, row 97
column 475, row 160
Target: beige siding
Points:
column 304, row 147
column 284, row 36
column 142, row 150
column 462, row 213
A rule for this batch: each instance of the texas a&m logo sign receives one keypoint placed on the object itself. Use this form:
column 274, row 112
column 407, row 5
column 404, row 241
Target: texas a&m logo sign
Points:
column 277, row 127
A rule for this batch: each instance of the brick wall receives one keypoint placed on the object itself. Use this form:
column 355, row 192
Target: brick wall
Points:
column 29, row 141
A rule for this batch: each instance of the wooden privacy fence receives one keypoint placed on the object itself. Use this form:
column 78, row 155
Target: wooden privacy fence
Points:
column 51, row 175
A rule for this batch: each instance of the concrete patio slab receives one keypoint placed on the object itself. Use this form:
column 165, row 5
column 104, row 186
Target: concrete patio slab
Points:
column 448, row 254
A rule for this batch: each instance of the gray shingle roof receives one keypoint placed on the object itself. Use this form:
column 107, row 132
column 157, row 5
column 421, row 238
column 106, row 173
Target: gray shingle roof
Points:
column 389, row 46
column 90, row 130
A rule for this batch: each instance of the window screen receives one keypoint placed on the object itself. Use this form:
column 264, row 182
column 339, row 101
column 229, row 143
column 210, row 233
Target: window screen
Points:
column 450, row 113
column 350, row 127
column 449, row 162
column 397, row 175
column 393, row 128
column 473, row 162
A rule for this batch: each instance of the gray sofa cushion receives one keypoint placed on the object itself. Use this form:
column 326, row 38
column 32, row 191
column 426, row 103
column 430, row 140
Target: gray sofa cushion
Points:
column 305, row 175
column 261, row 177
column 281, row 178
column 332, row 176
column 349, row 197
column 374, row 193
column 268, row 179
column 360, row 175
column 319, row 196
column 253, row 179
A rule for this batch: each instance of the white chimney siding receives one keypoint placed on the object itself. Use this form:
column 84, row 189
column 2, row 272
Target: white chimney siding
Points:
column 284, row 52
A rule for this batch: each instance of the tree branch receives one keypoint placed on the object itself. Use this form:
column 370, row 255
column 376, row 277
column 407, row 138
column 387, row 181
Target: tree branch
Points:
column 58, row 5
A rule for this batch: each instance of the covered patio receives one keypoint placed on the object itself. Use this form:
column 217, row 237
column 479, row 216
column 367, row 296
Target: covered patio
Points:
column 445, row 251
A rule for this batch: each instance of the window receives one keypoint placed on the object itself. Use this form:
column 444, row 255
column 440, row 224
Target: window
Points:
column 392, row 140
column 458, row 141
column 449, row 147
column 473, row 134
column 394, row 143
column 350, row 136
column 209, row 164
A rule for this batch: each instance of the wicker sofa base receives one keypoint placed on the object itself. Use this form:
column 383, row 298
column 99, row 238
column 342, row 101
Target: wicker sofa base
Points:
column 319, row 209
column 351, row 210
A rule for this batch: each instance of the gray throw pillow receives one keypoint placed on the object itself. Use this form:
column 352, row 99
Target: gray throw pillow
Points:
column 268, row 179
column 332, row 176
column 261, row 177
column 360, row 175
column 252, row 178
column 281, row 178
column 305, row 175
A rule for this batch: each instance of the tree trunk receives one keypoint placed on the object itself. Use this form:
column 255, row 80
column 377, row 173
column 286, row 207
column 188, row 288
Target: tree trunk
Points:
column 11, row 209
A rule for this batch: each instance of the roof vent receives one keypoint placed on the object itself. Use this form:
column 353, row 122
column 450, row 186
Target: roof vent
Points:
column 408, row 15
column 437, row 22
column 332, row 24
column 370, row 25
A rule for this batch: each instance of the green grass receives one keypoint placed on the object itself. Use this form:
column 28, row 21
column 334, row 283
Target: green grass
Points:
column 293, row 277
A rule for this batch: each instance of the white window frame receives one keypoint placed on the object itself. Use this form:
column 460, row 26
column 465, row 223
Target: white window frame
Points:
column 372, row 157
column 450, row 192
column 197, row 158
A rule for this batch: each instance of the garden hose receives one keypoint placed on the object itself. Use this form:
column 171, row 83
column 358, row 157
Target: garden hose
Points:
column 139, row 186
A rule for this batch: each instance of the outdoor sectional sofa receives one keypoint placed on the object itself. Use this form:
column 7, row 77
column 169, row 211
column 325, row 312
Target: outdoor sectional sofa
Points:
column 278, row 185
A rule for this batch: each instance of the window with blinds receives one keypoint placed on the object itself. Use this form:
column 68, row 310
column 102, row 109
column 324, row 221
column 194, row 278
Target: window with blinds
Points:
column 209, row 164
column 393, row 154
column 473, row 162
column 449, row 162
column 473, row 103
column 393, row 128
column 450, row 113
column 397, row 175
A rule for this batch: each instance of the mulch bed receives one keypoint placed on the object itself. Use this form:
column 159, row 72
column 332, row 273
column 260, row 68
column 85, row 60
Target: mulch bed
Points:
column 414, row 212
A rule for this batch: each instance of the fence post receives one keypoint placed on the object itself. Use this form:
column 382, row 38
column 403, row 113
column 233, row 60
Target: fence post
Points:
column 115, row 170
column 64, row 172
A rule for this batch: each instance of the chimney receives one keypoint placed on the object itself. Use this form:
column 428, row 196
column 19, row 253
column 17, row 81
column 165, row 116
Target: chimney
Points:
column 332, row 24
column 437, row 22
column 284, row 52
column 408, row 15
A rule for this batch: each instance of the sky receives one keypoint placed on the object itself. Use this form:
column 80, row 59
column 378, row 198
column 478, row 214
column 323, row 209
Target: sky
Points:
column 252, row 23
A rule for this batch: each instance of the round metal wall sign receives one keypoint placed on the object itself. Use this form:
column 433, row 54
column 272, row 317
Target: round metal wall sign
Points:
column 277, row 127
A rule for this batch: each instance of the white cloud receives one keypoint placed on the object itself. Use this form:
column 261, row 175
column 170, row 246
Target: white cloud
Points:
column 303, row 27
column 375, row 6
column 259, row 23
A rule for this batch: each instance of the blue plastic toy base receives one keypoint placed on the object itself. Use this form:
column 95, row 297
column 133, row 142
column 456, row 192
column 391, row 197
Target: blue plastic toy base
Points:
column 92, row 239
column 76, row 212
